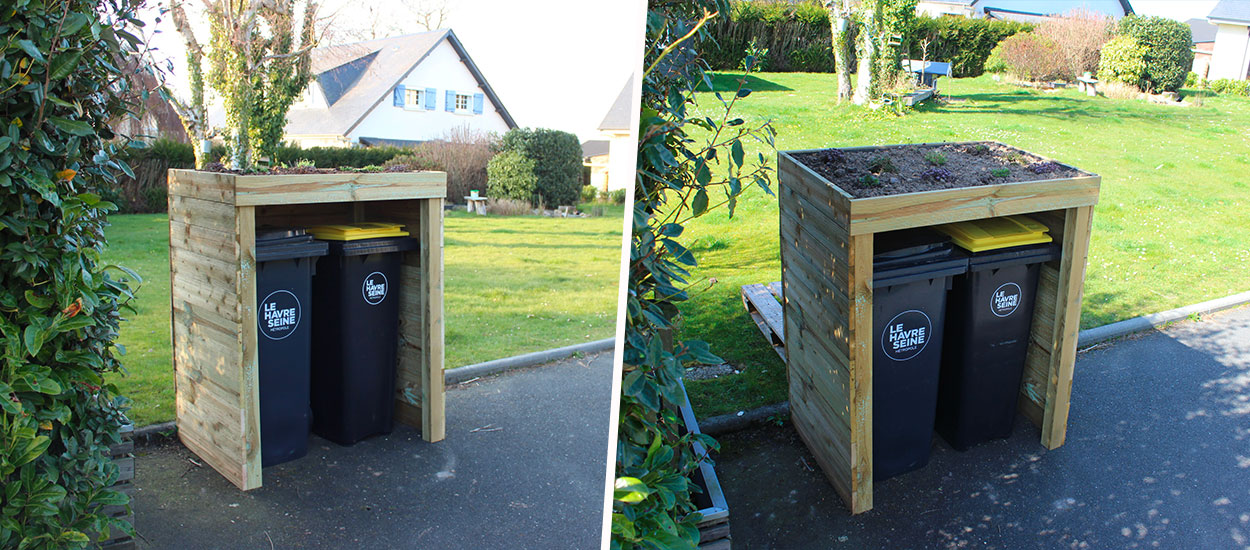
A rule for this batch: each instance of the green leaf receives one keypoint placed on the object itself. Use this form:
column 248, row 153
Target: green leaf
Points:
column 630, row 490
column 31, row 49
column 737, row 152
column 34, row 337
column 110, row 497
column 699, row 204
column 75, row 127
column 64, row 64
column 29, row 450
column 680, row 253
column 41, row 302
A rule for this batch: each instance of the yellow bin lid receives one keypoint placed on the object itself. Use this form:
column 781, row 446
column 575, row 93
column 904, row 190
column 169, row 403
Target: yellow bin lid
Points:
column 996, row 233
column 357, row 231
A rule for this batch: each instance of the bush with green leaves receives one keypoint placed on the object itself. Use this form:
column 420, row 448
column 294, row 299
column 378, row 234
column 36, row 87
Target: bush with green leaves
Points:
column 511, row 175
column 60, row 303
column 964, row 43
column 683, row 161
column 1123, row 60
column 1229, row 86
column 557, row 165
column 618, row 197
column 1168, row 46
column 589, row 193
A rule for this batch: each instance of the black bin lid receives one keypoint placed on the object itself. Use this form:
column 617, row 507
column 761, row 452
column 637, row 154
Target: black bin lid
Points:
column 286, row 243
column 913, row 254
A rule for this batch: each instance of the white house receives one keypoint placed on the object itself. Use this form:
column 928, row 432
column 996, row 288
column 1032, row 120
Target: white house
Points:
column 1019, row 10
column 611, row 159
column 394, row 91
column 1230, row 58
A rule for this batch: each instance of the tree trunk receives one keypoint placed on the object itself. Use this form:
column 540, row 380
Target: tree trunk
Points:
column 842, row 50
column 867, row 52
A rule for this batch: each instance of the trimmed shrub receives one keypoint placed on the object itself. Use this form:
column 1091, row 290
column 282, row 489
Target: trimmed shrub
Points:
column 511, row 175
column 1032, row 57
column 995, row 62
column 463, row 153
column 964, row 43
column 1168, row 53
column 1080, row 34
column 337, row 157
column 557, row 163
column 618, row 197
column 1123, row 60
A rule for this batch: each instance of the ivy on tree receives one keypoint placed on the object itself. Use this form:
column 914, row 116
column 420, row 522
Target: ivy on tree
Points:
column 687, row 166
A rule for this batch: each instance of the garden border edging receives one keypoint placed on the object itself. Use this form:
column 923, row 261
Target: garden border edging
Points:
column 458, row 375
column 732, row 422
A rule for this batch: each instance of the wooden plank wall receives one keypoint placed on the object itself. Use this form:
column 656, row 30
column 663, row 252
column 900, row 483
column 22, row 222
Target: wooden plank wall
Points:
column 817, row 284
column 205, row 325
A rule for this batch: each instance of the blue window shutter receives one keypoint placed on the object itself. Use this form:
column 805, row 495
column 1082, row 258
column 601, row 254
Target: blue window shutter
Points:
column 399, row 96
column 451, row 101
column 430, row 100
column 478, row 100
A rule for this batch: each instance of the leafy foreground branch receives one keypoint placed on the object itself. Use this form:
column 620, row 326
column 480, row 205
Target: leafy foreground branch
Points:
column 60, row 85
column 678, row 177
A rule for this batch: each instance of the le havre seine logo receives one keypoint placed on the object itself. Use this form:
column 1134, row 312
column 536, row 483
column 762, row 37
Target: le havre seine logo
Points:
column 374, row 288
column 279, row 314
column 1005, row 300
column 906, row 335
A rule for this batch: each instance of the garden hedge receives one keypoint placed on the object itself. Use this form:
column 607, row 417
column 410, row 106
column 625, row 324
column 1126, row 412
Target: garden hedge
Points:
column 60, row 303
column 798, row 38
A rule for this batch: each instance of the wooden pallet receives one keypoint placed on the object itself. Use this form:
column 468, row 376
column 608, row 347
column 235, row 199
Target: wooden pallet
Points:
column 763, row 303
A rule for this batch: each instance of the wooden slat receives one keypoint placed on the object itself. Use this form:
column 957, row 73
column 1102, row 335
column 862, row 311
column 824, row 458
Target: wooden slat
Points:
column 249, row 352
column 305, row 215
column 208, row 186
column 316, row 188
column 764, row 309
column 878, row 214
column 217, row 216
column 1067, row 325
column 218, row 245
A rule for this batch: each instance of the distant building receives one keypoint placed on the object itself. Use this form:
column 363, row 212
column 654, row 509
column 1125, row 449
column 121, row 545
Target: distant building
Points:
column 1230, row 55
column 1026, row 11
column 611, row 160
column 394, row 91
column 1204, row 43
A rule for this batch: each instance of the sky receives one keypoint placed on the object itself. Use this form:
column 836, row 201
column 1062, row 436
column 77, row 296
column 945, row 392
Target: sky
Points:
column 555, row 64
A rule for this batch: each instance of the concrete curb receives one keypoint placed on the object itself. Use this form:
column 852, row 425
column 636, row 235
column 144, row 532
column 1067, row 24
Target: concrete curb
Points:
column 169, row 430
column 733, row 422
column 469, row 372
column 1095, row 335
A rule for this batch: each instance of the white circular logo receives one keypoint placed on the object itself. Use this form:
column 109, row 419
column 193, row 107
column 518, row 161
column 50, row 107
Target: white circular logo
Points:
column 279, row 315
column 374, row 288
column 906, row 335
column 1005, row 300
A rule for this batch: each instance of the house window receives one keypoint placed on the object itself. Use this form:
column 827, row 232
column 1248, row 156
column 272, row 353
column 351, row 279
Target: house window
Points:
column 414, row 99
column 462, row 102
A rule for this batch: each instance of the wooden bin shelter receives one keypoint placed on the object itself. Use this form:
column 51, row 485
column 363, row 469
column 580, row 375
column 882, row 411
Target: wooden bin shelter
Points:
column 212, row 257
column 827, row 269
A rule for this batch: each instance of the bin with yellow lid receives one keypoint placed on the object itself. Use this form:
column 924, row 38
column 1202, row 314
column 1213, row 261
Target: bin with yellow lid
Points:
column 988, row 318
column 356, row 329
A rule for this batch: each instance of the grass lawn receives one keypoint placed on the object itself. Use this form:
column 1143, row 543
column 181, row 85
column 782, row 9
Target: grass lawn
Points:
column 1171, row 227
column 513, row 285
